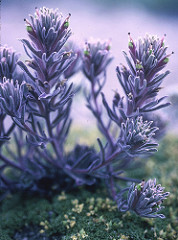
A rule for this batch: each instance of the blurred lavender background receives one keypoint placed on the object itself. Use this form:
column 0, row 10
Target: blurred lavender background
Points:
column 105, row 19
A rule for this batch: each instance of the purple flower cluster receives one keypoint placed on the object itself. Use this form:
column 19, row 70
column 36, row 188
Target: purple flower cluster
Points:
column 38, row 100
column 48, row 33
column 144, row 199
column 11, row 98
column 8, row 63
column 141, row 81
column 136, row 137
column 96, row 57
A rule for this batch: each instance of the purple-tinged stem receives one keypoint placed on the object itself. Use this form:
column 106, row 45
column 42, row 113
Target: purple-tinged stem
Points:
column 104, row 128
column 9, row 162
column 53, row 140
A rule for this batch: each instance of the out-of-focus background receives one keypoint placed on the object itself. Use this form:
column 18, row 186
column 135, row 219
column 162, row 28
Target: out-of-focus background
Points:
column 105, row 19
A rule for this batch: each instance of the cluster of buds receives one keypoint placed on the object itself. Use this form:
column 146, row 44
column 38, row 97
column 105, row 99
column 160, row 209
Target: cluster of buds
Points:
column 136, row 137
column 141, row 81
column 49, row 60
column 96, row 57
column 149, row 56
column 144, row 199
column 8, row 64
column 12, row 98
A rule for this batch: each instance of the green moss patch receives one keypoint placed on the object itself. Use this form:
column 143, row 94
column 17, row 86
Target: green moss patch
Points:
column 88, row 213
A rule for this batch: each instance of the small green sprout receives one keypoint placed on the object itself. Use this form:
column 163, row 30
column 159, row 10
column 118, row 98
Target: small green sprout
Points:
column 86, row 53
column 166, row 60
column 130, row 44
column 139, row 188
column 29, row 29
column 139, row 66
column 66, row 24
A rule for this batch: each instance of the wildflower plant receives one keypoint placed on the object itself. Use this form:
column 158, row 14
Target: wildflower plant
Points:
column 38, row 100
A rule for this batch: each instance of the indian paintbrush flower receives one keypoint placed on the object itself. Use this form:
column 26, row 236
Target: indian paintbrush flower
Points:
column 96, row 57
column 8, row 64
column 145, row 199
column 12, row 98
column 48, row 33
column 137, row 136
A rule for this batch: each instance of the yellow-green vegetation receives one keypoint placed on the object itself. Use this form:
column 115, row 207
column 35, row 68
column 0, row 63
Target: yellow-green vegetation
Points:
column 79, row 135
column 88, row 213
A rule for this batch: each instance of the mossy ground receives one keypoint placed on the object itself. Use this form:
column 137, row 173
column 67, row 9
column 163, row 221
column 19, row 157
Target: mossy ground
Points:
column 88, row 213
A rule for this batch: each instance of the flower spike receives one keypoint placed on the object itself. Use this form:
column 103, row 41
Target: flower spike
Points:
column 145, row 199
